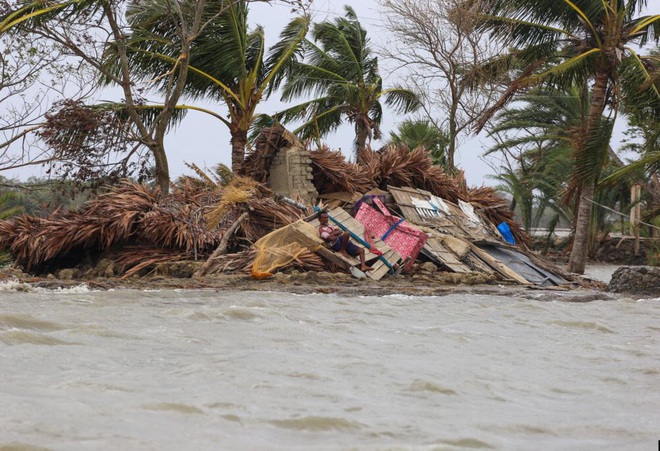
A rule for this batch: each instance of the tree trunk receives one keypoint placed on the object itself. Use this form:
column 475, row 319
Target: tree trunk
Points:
column 453, row 132
column 578, row 258
column 361, row 135
column 222, row 247
column 162, row 168
column 238, row 143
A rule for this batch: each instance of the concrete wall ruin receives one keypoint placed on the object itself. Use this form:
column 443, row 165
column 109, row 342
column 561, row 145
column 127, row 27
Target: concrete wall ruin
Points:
column 291, row 175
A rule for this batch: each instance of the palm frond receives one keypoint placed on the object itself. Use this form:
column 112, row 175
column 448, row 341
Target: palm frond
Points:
column 284, row 55
column 401, row 100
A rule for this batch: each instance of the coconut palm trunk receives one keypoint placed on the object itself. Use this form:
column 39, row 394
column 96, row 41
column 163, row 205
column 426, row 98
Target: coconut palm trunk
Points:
column 362, row 132
column 578, row 258
column 239, row 140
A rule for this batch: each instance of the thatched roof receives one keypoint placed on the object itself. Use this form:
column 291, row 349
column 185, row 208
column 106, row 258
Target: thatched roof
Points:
column 137, row 227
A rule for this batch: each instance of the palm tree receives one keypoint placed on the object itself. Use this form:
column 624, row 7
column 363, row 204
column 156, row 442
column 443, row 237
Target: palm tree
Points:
column 423, row 133
column 342, row 77
column 644, row 137
column 564, row 43
column 227, row 61
column 547, row 127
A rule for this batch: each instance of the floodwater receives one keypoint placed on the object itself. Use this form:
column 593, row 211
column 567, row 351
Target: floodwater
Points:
column 206, row 370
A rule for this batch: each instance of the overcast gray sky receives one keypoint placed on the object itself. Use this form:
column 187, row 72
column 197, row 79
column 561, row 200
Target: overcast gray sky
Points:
column 203, row 140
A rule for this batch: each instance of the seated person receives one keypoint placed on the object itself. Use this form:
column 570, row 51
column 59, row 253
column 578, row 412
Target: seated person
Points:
column 340, row 241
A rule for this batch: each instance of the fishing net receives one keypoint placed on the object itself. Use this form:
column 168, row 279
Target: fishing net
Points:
column 282, row 247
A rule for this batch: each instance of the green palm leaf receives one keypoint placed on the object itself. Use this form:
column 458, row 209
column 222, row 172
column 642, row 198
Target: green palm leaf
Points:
column 341, row 75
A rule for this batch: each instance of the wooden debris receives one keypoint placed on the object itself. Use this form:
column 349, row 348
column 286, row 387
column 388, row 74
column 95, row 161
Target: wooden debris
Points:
column 222, row 247
column 382, row 264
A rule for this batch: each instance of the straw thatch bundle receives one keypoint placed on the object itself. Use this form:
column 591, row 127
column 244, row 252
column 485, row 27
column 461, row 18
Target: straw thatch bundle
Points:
column 398, row 166
column 332, row 173
column 131, row 259
column 137, row 227
column 126, row 214
column 268, row 214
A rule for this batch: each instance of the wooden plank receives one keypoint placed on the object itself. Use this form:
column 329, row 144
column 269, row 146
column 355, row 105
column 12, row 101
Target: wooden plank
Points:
column 435, row 247
column 380, row 268
column 337, row 258
column 453, row 222
column 428, row 217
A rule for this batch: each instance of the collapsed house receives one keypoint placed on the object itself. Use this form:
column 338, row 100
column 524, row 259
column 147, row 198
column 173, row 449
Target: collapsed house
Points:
column 397, row 205
column 459, row 230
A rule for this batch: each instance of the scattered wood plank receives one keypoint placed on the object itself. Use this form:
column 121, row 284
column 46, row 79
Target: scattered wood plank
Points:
column 381, row 264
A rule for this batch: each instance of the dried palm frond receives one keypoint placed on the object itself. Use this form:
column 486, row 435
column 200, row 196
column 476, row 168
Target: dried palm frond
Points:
column 242, row 262
column 266, row 215
column 203, row 176
column 127, row 195
column 132, row 260
column 178, row 229
column 25, row 247
column 8, row 232
column 237, row 262
column 331, row 173
column 124, row 214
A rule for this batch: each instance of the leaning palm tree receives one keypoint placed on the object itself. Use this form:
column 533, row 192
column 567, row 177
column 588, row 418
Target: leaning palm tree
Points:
column 578, row 42
column 341, row 75
column 546, row 127
column 643, row 119
column 227, row 62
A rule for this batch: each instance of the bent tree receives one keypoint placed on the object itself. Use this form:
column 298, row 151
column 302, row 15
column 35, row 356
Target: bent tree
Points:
column 582, row 42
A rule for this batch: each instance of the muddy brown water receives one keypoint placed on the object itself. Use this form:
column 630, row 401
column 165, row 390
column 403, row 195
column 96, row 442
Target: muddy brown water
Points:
column 223, row 370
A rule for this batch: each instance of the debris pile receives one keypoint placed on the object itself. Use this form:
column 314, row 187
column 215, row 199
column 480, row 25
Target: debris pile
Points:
column 405, row 212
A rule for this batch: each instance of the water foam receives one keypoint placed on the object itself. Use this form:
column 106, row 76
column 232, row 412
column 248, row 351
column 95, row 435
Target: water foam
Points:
column 16, row 286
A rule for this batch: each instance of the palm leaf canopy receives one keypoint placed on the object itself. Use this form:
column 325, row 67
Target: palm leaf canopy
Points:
column 564, row 42
column 547, row 116
column 30, row 14
column 341, row 75
column 228, row 62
